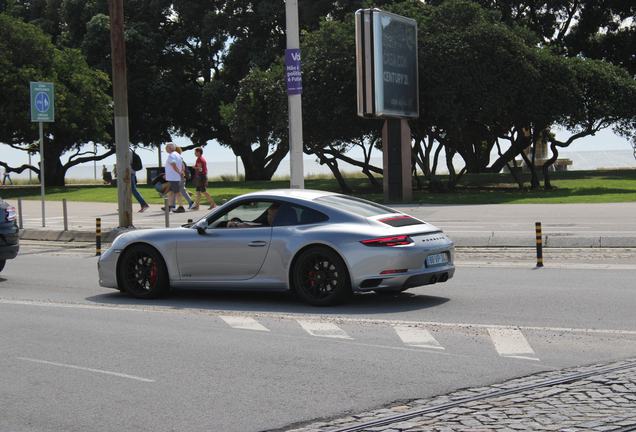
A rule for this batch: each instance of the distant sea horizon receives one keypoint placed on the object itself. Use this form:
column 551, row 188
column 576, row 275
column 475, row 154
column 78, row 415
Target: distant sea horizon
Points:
column 581, row 161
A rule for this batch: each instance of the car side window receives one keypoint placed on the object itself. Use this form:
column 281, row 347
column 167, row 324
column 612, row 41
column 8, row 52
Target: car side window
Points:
column 290, row 214
column 252, row 212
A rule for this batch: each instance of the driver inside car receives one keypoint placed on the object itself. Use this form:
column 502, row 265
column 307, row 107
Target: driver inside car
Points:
column 263, row 220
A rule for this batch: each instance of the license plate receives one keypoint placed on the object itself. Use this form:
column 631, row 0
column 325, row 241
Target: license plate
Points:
column 436, row 259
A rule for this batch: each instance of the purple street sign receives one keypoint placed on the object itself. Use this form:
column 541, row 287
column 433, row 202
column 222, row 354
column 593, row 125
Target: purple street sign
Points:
column 294, row 79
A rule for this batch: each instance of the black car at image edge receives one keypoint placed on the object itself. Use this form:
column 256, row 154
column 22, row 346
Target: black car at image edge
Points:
column 9, row 233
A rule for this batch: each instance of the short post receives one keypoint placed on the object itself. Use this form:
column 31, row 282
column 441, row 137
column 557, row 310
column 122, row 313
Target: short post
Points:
column 98, row 236
column 167, row 210
column 64, row 212
column 539, row 245
column 20, row 213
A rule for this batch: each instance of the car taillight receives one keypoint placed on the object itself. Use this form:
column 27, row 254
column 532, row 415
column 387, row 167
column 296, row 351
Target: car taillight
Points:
column 11, row 214
column 388, row 241
column 393, row 271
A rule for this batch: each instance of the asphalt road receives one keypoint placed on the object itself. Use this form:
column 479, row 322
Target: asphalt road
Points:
column 76, row 356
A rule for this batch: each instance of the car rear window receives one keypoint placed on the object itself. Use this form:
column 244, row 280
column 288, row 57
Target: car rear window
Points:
column 355, row 205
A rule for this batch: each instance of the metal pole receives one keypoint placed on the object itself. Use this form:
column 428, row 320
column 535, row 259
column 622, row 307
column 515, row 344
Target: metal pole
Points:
column 296, row 169
column 65, row 213
column 167, row 210
column 95, row 162
column 98, row 236
column 20, row 213
column 42, row 171
column 539, row 245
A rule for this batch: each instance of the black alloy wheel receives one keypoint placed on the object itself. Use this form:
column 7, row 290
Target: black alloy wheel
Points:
column 143, row 273
column 321, row 277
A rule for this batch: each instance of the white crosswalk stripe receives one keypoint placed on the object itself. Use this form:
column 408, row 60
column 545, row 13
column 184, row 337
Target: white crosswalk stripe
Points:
column 244, row 323
column 323, row 329
column 417, row 336
column 510, row 342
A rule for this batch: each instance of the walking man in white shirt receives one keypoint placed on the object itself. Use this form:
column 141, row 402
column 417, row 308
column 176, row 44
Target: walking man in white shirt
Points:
column 174, row 173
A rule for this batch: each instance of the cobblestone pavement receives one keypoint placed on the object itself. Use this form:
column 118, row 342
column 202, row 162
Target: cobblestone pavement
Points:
column 596, row 398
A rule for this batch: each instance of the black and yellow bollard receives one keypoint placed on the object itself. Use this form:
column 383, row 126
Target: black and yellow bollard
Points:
column 98, row 237
column 539, row 245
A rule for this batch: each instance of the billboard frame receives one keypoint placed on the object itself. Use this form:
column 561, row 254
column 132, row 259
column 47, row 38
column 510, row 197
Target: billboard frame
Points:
column 387, row 79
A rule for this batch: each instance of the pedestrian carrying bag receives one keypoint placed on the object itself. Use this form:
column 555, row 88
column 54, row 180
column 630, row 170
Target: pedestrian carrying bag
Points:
column 200, row 180
column 136, row 162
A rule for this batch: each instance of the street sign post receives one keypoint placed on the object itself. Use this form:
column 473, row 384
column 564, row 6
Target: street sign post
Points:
column 42, row 110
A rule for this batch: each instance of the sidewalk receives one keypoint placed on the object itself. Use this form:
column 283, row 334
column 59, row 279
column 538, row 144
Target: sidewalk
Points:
column 498, row 225
column 596, row 398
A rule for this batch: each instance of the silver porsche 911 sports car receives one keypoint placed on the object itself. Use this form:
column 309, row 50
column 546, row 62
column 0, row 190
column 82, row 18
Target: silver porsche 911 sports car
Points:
column 322, row 245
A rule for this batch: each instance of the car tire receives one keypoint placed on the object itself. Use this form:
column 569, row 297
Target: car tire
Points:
column 321, row 277
column 2, row 263
column 143, row 273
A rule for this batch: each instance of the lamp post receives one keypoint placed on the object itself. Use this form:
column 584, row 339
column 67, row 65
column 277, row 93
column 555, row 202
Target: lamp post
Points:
column 296, row 170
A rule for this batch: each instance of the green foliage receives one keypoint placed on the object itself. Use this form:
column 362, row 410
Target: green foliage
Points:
column 257, row 120
column 82, row 107
column 26, row 55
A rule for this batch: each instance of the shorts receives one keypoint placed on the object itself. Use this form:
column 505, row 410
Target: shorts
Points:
column 175, row 186
column 203, row 180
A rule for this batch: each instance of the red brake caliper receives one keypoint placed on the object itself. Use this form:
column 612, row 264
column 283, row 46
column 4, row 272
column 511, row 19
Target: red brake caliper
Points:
column 153, row 273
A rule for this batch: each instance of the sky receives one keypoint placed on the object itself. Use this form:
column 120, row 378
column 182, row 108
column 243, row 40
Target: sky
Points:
column 214, row 153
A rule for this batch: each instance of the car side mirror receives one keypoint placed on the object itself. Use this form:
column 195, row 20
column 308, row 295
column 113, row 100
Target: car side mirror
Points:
column 201, row 227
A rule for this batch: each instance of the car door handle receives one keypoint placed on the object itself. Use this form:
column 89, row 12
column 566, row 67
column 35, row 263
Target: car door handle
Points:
column 257, row 244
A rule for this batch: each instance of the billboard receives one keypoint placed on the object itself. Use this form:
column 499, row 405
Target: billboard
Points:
column 386, row 65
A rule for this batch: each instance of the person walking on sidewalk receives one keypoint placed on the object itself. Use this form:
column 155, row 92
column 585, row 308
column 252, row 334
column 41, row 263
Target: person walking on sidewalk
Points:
column 135, row 166
column 174, row 174
column 186, row 175
column 201, row 179
column 6, row 176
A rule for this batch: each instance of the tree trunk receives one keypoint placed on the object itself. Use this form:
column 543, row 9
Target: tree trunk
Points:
column 332, row 163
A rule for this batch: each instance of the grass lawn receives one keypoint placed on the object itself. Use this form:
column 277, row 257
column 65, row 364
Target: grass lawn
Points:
column 568, row 187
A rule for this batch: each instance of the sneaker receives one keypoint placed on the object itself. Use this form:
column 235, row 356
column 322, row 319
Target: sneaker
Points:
column 144, row 208
column 180, row 209
column 164, row 209
column 191, row 205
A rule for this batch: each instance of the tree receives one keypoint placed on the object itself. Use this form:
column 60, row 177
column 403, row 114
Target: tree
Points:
column 605, row 98
column 482, row 83
column 257, row 120
column 331, row 126
column 82, row 107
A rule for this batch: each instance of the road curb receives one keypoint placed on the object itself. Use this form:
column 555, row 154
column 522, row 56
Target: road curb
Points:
column 107, row 235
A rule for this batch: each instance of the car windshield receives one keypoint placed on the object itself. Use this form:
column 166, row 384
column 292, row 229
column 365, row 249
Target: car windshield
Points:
column 354, row 205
